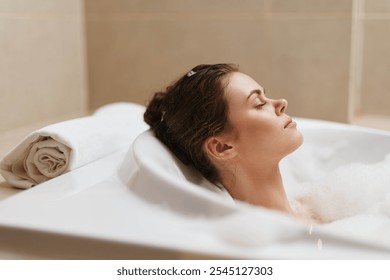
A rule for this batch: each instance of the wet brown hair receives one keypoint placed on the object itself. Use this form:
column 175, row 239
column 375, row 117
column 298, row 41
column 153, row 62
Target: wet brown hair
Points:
column 189, row 111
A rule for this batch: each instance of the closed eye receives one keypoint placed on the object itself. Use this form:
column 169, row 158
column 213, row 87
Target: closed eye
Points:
column 259, row 106
column 259, row 103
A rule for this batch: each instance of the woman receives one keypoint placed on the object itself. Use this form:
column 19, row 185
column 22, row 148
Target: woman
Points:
column 220, row 121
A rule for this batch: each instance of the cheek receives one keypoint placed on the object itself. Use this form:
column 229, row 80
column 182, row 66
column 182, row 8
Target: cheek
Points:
column 254, row 121
column 261, row 128
column 266, row 138
column 257, row 133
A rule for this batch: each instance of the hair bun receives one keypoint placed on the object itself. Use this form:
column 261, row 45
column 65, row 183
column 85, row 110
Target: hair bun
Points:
column 154, row 111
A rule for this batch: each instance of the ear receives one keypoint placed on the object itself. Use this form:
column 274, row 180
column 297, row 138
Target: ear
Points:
column 217, row 148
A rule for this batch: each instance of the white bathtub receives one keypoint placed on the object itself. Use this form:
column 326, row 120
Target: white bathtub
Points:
column 143, row 203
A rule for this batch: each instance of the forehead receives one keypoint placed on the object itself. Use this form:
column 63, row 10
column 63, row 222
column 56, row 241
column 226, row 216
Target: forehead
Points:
column 241, row 85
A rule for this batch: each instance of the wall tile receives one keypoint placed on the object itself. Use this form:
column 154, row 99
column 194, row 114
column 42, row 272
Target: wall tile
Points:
column 42, row 68
column 377, row 6
column 173, row 6
column 130, row 59
column 376, row 68
column 310, row 66
column 312, row 7
column 41, row 6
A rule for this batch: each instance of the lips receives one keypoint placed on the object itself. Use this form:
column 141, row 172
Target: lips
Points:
column 289, row 123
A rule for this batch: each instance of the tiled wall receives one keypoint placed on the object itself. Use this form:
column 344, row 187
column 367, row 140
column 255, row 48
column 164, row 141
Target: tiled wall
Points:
column 42, row 60
column 375, row 82
column 310, row 56
column 297, row 49
column 138, row 47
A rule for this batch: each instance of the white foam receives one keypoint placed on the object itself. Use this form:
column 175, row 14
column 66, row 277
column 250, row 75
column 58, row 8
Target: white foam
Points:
column 348, row 190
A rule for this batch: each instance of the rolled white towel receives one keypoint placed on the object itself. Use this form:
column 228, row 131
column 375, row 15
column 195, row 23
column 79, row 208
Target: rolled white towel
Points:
column 46, row 158
column 61, row 147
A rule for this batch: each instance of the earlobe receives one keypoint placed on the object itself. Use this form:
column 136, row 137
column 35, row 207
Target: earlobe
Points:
column 217, row 149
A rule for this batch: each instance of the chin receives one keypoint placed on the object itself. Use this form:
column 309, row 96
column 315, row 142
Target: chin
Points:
column 295, row 142
column 300, row 139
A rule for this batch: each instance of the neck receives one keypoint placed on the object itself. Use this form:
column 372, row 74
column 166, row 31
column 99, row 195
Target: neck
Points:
column 260, row 186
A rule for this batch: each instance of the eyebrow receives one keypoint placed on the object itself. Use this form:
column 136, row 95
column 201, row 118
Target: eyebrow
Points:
column 256, row 91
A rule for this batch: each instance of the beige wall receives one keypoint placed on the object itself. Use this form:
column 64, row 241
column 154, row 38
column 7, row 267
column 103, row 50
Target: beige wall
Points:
column 138, row 47
column 42, row 61
column 299, row 50
column 311, row 45
column 375, row 80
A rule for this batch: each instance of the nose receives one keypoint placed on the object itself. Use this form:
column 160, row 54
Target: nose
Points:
column 280, row 106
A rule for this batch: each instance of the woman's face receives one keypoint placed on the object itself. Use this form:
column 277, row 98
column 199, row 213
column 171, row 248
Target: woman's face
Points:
column 261, row 130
